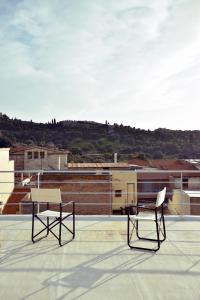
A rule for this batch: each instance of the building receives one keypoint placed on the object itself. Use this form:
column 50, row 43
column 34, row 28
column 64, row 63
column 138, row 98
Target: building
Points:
column 90, row 192
column 123, row 181
column 6, row 175
column 124, row 189
column 182, row 179
column 107, row 188
column 94, row 187
column 38, row 158
column 157, row 173
column 98, row 166
column 185, row 202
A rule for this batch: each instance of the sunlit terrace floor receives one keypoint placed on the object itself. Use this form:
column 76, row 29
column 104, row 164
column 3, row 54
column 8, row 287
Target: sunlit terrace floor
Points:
column 98, row 264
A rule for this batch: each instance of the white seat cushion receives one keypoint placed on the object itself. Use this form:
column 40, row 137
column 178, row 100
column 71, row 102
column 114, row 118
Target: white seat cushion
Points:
column 145, row 217
column 52, row 214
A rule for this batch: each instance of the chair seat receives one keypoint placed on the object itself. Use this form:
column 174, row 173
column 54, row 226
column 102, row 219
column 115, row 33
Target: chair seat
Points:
column 53, row 214
column 145, row 217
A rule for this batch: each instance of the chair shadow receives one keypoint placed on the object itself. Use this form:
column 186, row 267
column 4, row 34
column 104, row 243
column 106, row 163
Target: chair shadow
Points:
column 23, row 252
column 89, row 277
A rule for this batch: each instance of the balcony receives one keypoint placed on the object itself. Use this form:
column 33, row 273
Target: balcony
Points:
column 98, row 264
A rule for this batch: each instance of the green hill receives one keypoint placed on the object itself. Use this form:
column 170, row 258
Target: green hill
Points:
column 86, row 139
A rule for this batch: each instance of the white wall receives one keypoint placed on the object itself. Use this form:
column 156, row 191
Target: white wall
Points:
column 6, row 178
column 57, row 161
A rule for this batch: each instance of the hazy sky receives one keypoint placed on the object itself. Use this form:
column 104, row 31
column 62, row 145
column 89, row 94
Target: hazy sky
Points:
column 135, row 62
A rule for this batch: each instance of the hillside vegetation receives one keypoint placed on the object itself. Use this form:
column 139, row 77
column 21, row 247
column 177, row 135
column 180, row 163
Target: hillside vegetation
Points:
column 91, row 141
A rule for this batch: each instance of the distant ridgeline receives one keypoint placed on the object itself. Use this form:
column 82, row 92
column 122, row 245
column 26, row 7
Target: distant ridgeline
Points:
column 91, row 141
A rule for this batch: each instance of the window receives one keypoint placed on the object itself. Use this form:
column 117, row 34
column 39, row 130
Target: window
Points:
column 185, row 182
column 118, row 193
column 42, row 154
column 35, row 155
column 147, row 186
column 29, row 155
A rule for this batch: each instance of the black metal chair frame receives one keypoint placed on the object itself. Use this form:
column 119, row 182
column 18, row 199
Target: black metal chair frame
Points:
column 57, row 221
column 159, row 223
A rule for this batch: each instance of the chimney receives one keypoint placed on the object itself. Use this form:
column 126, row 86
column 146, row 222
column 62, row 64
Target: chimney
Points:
column 59, row 162
column 66, row 160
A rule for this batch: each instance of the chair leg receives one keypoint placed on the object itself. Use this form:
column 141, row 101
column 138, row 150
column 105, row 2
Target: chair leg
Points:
column 71, row 231
column 164, row 230
column 129, row 235
column 60, row 231
column 158, row 236
column 137, row 229
column 47, row 225
column 73, row 220
column 149, row 239
column 33, row 235
column 33, row 223
column 128, row 231
column 143, row 238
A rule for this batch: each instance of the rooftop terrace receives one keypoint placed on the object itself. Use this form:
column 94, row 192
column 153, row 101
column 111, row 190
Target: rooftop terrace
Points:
column 98, row 264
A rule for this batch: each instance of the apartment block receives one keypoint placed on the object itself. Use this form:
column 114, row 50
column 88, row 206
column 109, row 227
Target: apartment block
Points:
column 39, row 158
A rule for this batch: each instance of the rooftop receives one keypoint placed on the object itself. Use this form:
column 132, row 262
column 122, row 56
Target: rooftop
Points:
column 99, row 165
column 192, row 193
column 98, row 264
column 22, row 149
column 165, row 164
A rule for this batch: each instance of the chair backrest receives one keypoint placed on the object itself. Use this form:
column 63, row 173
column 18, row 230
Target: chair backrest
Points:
column 160, row 197
column 46, row 195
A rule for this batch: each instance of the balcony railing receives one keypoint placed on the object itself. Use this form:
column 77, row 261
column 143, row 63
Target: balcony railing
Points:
column 103, row 192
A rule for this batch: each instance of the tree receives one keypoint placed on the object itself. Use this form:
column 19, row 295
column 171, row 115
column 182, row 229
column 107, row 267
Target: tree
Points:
column 5, row 142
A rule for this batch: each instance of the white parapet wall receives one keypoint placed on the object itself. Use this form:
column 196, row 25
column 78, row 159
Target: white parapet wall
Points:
column 6, row 175
column 180, row 203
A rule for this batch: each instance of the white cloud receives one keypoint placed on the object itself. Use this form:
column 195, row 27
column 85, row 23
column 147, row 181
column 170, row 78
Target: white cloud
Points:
column 134, row 62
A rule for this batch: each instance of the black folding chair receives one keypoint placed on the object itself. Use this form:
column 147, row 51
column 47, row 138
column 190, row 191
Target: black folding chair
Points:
column 51, row 197
column 155, row 214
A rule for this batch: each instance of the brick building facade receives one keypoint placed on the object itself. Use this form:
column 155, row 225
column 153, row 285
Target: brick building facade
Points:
column 91, row 192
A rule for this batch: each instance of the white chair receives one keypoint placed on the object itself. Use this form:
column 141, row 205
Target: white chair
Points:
column 155, row 214
column 51, row 197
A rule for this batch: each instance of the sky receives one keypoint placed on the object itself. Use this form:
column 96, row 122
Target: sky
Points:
column 135, row 62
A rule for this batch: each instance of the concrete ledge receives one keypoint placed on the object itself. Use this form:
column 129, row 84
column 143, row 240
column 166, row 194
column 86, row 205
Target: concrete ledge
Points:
column 182, row 218
column 102, row 218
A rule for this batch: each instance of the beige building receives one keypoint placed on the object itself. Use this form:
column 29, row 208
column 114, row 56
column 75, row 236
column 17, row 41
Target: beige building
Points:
column 39, row 158
column 123, row 181
column 124, row 188
column 6, row 175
